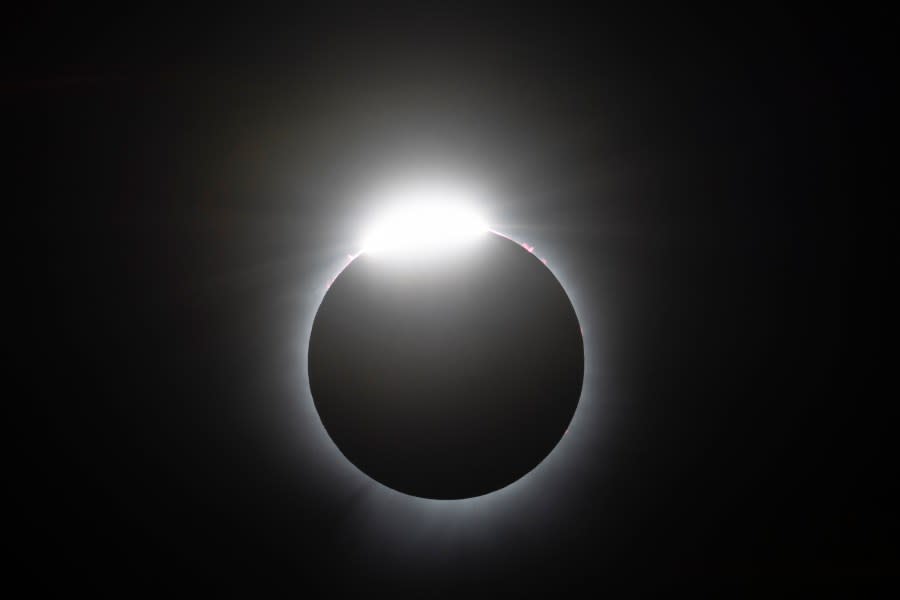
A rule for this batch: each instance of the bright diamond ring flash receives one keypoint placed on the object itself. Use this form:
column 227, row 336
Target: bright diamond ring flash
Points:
column 424, row 225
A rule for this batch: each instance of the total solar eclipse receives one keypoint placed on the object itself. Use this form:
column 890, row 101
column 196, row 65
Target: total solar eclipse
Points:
column 447, row 369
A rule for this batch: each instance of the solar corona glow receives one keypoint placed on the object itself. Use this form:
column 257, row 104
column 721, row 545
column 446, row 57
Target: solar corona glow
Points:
column 425, row 221
column 453, row 376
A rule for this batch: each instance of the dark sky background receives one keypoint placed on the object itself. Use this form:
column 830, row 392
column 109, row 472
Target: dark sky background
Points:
column 705, row 186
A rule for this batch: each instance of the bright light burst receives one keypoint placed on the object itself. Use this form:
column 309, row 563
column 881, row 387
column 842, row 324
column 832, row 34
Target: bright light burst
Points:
column 422, row 220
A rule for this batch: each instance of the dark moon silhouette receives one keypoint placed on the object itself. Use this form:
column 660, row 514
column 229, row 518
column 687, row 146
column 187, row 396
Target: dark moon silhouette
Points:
column 447, row 377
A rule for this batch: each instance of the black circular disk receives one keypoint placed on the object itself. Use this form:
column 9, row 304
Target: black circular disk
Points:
column 450, row 376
